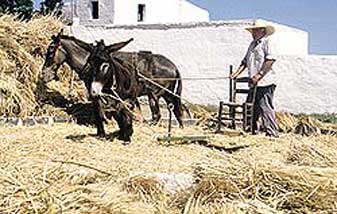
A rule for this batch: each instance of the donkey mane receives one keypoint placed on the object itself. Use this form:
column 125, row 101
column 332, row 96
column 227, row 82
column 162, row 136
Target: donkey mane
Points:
column 79, row 42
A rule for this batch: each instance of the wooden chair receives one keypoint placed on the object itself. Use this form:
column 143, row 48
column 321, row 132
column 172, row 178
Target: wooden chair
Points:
column 238, row 114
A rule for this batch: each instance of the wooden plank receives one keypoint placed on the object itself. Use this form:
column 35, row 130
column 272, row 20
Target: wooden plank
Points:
column 243, row 79
column 196, row 138
column 242, row 91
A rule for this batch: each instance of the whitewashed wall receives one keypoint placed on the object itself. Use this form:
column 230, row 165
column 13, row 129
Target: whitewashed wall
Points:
column 290, row 41
column 305, row 83
column 125, row 12
column 169, row 11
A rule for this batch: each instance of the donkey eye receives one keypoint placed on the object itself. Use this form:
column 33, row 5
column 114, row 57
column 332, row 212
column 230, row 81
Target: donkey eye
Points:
column 104, row 67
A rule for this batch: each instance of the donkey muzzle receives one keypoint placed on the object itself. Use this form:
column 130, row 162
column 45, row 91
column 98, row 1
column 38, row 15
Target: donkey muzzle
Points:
column 96, row 89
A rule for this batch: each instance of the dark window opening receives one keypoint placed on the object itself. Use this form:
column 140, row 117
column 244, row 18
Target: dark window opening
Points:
column 141, row 12
column 94, row 5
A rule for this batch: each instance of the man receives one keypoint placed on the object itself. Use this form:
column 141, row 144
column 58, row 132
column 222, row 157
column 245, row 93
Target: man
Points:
column 259, row 60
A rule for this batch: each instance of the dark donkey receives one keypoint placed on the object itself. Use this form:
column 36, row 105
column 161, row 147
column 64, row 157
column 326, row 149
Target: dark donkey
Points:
column 65, row 49
column 114, row 87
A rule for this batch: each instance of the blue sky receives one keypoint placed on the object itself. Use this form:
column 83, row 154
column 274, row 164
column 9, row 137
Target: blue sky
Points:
column 319, row 18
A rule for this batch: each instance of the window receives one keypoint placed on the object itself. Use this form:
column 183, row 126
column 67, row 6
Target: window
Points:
column 94, row 5
column 141, row 12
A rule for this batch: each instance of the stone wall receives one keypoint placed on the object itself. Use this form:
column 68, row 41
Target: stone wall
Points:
column 83, row 12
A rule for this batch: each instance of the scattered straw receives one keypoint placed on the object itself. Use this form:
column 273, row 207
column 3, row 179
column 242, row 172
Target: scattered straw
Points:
column 292, row 174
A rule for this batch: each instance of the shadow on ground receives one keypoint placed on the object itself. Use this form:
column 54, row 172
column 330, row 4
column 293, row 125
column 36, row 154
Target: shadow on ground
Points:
column 81, row 113
column 80, row 138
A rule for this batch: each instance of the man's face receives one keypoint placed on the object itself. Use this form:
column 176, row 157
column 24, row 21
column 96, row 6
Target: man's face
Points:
column 258, row 33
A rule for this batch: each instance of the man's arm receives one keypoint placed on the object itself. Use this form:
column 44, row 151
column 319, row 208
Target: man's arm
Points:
column 240, row 69
column 266, row 67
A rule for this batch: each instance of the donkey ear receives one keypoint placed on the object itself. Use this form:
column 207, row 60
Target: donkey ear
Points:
column 117, row 46
column 59, row 34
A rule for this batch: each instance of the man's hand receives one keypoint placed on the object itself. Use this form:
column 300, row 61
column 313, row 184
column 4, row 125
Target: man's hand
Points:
column 254, row 80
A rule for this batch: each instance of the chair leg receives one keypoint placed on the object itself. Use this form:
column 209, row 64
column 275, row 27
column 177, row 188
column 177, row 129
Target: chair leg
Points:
column 232, row 115
column 220, row 116
column 251, row 121
column 245, row 115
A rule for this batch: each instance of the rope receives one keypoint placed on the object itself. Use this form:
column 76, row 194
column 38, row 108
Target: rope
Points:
column 165, row 89
column 193, row 78
column 71, row 84
column 151, row 80
column 126, row 106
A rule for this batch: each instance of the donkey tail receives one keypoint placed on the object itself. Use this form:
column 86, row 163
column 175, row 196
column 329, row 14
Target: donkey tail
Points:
column 178, row 86
column 177, row 91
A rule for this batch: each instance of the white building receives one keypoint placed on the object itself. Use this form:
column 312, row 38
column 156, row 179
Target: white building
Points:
column 305, row 83
column 203, row 49
column 130, row 12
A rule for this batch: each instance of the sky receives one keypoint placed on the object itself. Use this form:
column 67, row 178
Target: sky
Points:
column 318, row 18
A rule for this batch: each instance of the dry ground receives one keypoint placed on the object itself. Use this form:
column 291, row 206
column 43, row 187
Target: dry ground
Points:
column 63, row 168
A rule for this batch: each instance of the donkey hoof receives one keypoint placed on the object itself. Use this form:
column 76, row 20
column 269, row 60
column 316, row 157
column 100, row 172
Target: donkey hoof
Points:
column 153, row 123
column 100, row 135
column 126, row 139
column 126, row 143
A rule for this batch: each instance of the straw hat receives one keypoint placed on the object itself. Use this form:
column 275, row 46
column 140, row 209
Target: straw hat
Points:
column 261, row 24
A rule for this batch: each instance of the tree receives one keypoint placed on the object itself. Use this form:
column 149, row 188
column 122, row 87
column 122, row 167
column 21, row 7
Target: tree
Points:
column 6, row 5
column 24, row 8
column 51, row 6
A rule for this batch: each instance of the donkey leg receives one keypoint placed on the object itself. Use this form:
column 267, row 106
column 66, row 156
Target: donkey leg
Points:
column 99, row 118
column 154, row 105
column 127, row 129
column 177, row 108
column 178, row 112
column 124, row 121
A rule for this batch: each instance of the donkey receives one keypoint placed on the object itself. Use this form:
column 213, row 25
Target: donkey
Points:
column 65, row 49
column 113, row 85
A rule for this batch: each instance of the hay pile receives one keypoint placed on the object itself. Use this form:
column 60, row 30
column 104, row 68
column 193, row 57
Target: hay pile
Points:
column 286, row 121
column 22, row 48
column 304, row 125
column 63, row 168
column 288, row 188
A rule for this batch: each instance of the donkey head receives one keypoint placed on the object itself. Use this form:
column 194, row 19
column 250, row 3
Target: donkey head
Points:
column 53, row 59
column 103, row 66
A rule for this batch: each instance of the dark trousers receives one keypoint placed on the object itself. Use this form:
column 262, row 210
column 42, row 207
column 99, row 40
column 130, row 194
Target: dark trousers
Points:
column 264, row 107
